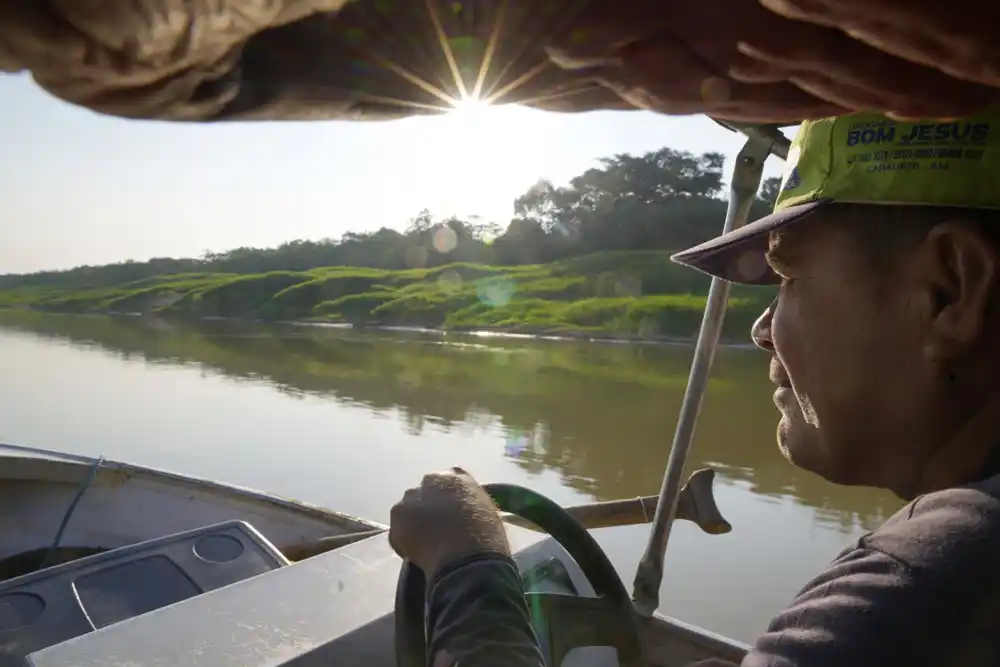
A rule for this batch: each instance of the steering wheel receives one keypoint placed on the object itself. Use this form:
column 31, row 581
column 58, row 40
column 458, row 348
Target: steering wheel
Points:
column 564, row 622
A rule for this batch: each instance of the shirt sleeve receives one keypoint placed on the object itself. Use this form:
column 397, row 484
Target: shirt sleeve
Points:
column 477, row 615
column 871, row 609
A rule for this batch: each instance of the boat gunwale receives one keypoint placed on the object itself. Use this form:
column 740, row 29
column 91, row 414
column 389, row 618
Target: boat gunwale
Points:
column 45, row 456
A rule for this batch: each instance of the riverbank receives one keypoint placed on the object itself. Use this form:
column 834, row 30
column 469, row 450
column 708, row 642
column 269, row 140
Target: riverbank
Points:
column 573, row 337
column 737, row 343
column 624, row 296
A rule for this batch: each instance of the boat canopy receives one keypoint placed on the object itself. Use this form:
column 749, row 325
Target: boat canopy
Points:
column 760, row 61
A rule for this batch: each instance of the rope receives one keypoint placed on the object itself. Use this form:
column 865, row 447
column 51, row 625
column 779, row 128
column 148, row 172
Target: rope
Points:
column 69, row 511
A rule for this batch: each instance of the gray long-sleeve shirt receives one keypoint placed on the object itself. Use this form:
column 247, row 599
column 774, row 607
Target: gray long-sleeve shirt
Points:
column 477, row 615
column 922, row 590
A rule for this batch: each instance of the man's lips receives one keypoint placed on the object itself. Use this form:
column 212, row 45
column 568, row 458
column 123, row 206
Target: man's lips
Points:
column 783, row 398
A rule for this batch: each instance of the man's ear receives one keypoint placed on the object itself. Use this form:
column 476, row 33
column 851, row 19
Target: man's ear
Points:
column 958, row 270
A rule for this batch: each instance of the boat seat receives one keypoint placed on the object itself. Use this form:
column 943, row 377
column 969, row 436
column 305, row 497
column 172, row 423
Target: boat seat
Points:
column 46, row 607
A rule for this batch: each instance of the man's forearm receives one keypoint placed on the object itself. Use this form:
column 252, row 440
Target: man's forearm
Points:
column 477, row 616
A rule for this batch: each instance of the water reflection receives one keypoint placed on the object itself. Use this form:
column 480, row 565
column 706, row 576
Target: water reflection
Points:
column 600, row 416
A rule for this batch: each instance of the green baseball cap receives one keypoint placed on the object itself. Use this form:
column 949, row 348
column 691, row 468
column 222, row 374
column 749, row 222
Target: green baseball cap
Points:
column 864, row 159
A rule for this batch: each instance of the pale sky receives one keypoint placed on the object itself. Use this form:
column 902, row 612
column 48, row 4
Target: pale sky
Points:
column 80, row 188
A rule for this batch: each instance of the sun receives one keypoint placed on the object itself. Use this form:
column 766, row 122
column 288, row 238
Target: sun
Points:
column 471, row 108
column 481, row 150
column 477, row 117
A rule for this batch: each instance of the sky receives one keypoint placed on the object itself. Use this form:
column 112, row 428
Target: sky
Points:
column 78, row 188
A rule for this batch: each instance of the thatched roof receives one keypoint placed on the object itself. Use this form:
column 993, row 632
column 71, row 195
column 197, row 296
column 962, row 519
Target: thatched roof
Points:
column 378, row 59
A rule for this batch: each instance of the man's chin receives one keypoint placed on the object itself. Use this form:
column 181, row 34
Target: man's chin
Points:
column 784, row 436
column 800, row 449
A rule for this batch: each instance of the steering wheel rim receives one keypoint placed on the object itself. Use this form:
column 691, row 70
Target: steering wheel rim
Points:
column 613, row 599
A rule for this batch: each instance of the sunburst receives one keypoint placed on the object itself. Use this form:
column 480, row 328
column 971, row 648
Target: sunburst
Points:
column 475, row 71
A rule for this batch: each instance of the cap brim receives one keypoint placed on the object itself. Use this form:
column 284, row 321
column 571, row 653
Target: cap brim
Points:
column 740, row 255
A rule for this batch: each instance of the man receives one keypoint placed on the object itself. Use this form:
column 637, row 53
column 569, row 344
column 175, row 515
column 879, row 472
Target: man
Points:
column 885, row 244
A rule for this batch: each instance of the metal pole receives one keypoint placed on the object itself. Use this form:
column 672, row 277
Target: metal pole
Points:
column 649, row 575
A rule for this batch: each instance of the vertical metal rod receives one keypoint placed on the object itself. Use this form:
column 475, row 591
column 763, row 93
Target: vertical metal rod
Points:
column 649, row 574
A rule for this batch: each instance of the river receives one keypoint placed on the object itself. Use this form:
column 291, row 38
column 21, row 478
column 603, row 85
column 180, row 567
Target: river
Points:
column 350, row 419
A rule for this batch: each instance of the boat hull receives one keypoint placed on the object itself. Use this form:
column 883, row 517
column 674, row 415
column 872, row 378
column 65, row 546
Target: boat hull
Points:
column 121, row 504
column 118, row 504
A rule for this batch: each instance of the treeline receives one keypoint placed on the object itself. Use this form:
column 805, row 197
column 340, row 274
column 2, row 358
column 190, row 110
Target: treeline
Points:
column 662, row 200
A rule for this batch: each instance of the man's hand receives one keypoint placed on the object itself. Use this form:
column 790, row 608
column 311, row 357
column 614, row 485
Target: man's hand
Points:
column 447, row 517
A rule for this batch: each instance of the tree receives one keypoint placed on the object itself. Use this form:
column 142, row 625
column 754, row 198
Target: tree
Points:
column 421, row 223
column 769, row 191
column 483, row 231
column 665, row 199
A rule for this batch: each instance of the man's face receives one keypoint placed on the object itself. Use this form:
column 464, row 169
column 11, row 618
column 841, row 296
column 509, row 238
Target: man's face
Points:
column 845, row 360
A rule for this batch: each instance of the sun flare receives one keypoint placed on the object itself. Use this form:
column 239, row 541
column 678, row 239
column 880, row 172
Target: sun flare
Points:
column 472, row 105
column 481, row 150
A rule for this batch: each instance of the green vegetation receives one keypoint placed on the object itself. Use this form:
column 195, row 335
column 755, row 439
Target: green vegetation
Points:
column 625, row 294
column 590, row 258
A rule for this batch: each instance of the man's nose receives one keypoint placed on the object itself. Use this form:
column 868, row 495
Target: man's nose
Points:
column 760, row 332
